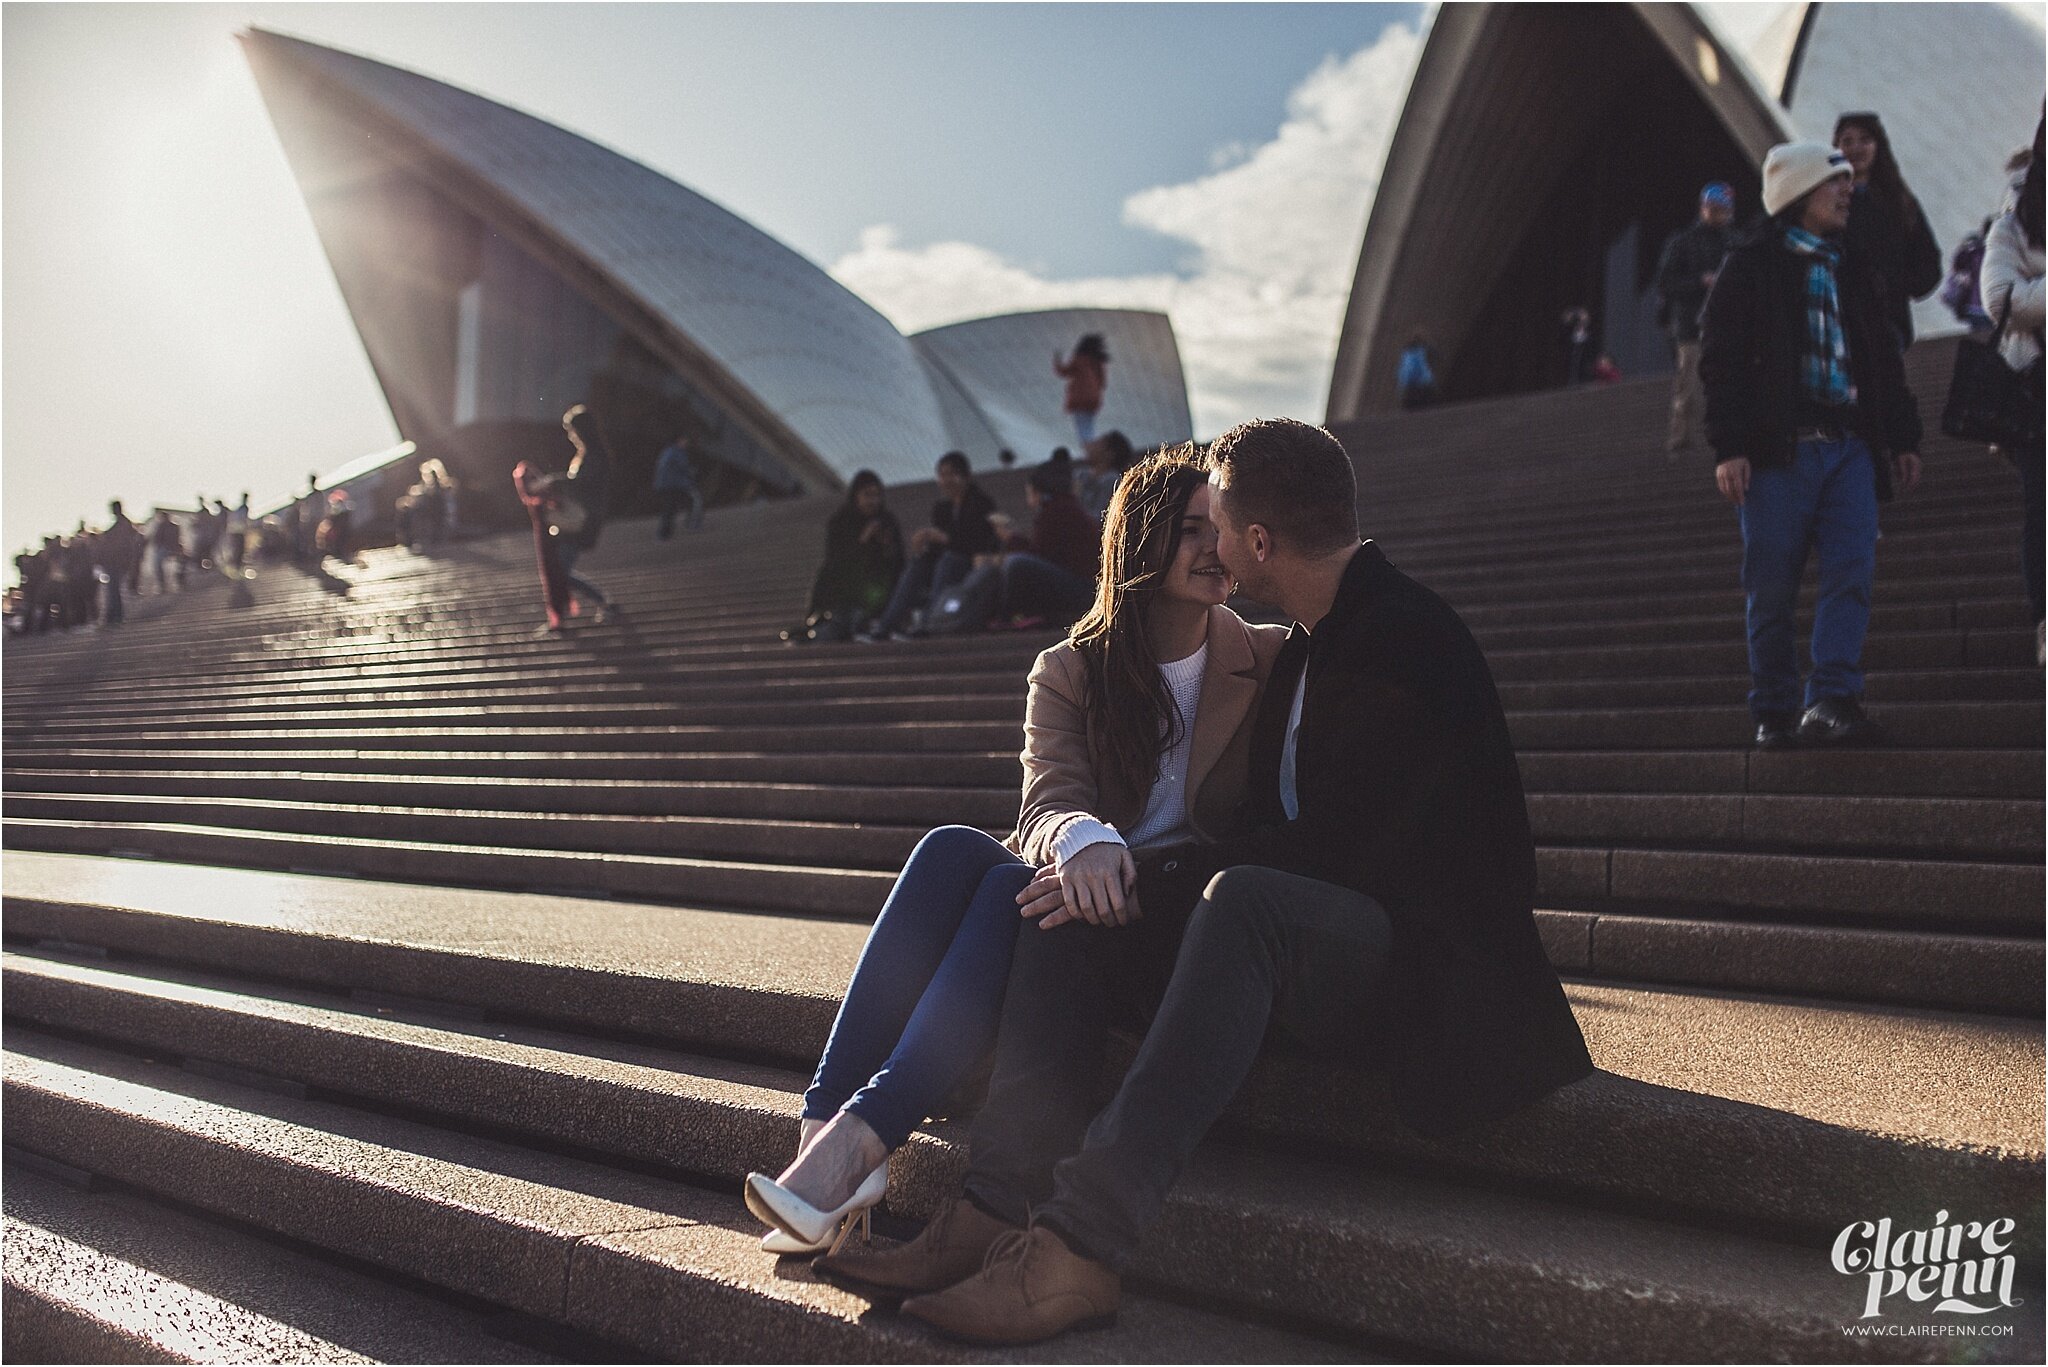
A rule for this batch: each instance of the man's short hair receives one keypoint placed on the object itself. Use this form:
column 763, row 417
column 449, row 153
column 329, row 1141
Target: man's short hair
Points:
column 1292, row 479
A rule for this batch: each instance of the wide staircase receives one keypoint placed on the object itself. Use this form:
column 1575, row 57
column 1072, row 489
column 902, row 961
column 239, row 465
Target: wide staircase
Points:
column 385, row 983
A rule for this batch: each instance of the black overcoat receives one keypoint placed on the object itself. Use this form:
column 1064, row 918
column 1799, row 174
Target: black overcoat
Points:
column 1409, row 793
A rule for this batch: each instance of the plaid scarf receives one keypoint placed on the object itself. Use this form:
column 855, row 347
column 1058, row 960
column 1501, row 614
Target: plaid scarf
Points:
column 1825, row 371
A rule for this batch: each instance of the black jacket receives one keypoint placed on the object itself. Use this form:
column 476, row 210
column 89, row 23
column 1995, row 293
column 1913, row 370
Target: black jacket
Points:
column 1752, row 343
column 968, row 530
column 591, row 485
column 1904, row 259
column 857, row 575
column 1689, row 253
column 1409, row 793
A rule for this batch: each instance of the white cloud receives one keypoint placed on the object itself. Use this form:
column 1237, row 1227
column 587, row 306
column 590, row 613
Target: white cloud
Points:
column 1274, row 234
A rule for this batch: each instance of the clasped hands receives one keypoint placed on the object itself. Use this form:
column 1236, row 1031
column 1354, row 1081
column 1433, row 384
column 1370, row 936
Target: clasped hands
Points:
column 1098, row 885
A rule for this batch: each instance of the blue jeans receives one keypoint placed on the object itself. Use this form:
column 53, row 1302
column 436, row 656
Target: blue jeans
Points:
column 1825, row 501
column 672, row 502
column 923, row 579
column 1084, row 428
column 925, row 998
column 568, row 551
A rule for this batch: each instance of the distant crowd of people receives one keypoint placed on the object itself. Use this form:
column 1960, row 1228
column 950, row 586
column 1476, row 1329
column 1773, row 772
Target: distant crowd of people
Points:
column 86, row 578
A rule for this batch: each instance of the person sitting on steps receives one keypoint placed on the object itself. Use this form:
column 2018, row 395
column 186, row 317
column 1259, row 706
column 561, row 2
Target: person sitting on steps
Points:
column 1136, row 733
column 1375, row 910
column 863, row 560
column 942, row 554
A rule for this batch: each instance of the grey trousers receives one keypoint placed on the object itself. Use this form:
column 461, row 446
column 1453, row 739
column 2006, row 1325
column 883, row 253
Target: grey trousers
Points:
column 1262, row 949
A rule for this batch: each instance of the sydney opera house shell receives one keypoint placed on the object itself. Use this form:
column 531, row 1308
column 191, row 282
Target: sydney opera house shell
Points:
column 1545, row 151
column 500, row 269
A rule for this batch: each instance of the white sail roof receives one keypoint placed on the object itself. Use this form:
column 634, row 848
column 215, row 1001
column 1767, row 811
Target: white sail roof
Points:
column 826, row 364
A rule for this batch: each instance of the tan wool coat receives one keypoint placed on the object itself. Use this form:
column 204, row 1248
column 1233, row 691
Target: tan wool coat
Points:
column 1060, row 783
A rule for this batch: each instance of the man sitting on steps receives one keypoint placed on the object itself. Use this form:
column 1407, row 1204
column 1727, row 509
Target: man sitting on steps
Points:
column 1378, row 910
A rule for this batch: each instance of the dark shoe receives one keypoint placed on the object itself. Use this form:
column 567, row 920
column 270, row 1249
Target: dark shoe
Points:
column 951, row 1248
column 1838, row 721
column 1777, row 731
column 1032, row 1288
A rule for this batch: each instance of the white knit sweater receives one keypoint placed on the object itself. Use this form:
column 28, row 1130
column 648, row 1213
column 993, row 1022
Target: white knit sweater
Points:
column 1165, row 818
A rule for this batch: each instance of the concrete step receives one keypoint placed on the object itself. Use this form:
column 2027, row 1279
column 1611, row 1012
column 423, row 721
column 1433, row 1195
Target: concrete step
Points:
column 1945, row 894
column 104, row 1276
column 703, row 882
column 1880, row 772
column 616, row 702
column 827, row 844
column 967, row 723
column 773, row 712
column 876, row 827
column 1705, row 944
column 900, row 738
column 720, row 1119
column 661, row 1267
column 1569, row 1284
column 1913, row 666
column 1947, row 726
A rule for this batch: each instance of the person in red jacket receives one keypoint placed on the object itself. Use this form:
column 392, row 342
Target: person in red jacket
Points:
column 1087, row 376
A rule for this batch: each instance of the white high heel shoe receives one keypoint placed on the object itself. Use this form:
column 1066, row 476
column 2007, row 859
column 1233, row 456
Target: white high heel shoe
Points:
column 803, row 1222
column 782, row 1246
column 775, row 1242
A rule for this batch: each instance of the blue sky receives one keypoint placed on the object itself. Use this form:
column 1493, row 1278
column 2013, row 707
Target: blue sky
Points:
column 171, row 325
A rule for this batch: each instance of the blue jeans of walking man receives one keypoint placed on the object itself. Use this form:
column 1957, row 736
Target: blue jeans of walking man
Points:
column 1823, row 503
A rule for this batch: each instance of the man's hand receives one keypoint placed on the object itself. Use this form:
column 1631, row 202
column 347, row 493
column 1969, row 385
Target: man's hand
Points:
column 1707, row 279
column 1906, row 465
column 1731, row 477
column 923, row 539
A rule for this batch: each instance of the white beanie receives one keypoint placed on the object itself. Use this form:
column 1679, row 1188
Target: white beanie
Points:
column 1793, row 168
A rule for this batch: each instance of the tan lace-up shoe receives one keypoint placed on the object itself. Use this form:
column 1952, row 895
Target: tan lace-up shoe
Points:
column 1031, row 1288
column 951, row 1248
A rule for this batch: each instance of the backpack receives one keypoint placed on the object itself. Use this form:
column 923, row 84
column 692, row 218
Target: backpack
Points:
column 1960, row 291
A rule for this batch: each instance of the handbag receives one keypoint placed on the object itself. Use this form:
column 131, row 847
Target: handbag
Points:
column 1988, row 400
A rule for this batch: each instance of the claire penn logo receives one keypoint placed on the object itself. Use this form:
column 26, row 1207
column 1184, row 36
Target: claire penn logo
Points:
column 1966, row 1269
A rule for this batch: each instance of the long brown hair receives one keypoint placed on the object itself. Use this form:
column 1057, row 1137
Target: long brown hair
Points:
column 1886, row 180
column 1131, row 714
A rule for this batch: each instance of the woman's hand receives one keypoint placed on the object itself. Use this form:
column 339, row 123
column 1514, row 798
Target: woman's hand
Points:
column 1095, row 886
